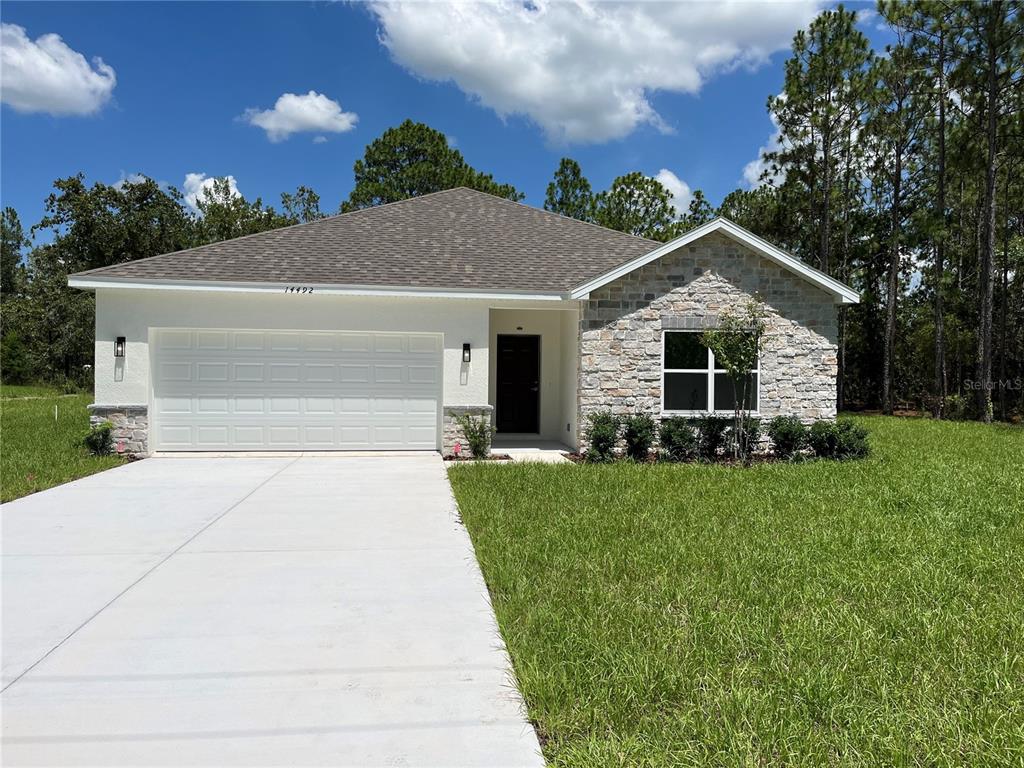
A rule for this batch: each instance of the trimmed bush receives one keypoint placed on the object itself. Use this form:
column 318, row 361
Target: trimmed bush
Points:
column 478, row 432
column 852, row 440
column 602, row 434
column 788, row 435
column 100, row 440
column 841, row 439
column 678, row 439
column 823, row 437
column 711, row 436
column 639, row 432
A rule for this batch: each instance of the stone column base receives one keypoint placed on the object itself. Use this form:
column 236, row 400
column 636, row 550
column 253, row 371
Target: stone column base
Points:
column 451, row 432
column 131, row 426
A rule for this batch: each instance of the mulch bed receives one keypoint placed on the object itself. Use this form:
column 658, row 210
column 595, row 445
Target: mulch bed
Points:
column 728, row 461
column 491, row 457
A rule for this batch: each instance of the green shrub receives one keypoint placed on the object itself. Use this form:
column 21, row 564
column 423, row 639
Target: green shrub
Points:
column 745, row 439
column 711, row 436
column 678, row 439
column 852, row 440
column 960, row 408
column 823, row 437
column 478, row 432
column 788, row 435
column 840, row 439
column 100, row 439
column 639, row 432
column 602, row 434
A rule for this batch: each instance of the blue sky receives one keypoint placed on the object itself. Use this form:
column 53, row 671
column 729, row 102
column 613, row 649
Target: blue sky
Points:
column 514, row 88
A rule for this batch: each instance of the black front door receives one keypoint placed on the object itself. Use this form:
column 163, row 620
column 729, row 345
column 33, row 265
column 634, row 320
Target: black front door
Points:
column 518, row 390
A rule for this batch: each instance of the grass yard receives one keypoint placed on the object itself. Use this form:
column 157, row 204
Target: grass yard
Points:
column 856, row 614
column 8, row 391
column 37, row 451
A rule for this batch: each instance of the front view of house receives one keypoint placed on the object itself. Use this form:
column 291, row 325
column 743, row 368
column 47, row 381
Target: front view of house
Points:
column 372, row 330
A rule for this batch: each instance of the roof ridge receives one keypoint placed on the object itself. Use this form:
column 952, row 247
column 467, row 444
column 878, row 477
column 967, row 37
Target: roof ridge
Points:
column 563, row 216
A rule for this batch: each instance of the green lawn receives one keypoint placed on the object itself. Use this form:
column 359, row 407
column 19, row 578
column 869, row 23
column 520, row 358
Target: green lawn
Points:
column 852, row 614
column 27, row 390
column 38, row 451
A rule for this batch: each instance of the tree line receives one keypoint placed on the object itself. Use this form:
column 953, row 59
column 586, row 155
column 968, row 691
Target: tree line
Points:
column 898, row 172
column 895, row 171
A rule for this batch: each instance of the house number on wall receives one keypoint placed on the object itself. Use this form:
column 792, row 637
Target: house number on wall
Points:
column 298, row 289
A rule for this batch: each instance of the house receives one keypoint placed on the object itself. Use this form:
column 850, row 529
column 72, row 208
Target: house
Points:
column 373, row 330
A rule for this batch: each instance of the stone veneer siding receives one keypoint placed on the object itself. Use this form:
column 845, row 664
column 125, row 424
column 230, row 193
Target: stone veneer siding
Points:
column 621, row 328
column 131, row 426
column 451, row 432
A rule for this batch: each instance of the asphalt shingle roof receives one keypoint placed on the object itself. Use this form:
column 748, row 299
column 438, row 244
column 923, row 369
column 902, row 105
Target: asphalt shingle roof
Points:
column 455, row 239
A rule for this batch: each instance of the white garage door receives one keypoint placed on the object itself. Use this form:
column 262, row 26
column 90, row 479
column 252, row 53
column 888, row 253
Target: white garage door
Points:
column 295, row 390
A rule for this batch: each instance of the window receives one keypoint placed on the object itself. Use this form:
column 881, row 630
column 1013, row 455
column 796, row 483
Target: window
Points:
column 693, row 383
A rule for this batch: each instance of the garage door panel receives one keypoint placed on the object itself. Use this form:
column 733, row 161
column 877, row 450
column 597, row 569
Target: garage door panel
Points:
column 389, row 344
column 175, row 372
column 247, row 372
column 282, row 342
column 293, row 390
column 248, row 341
column 209, row 371
column 320, row 373
column 216, row 341
column 213, row 405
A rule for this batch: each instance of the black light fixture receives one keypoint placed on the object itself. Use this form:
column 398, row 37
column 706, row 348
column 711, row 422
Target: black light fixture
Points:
column 119, row 346
column 465, row 352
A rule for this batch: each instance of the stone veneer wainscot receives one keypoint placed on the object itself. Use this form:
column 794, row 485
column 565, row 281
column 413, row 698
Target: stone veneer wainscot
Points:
column 131, row 426
column 451, row 432
column 621, row 329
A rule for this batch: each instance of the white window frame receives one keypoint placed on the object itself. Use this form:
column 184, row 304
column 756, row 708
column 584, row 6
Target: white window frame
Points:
column 710, row 371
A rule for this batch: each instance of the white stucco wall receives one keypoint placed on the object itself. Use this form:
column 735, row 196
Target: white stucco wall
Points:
column 132, row 313
column 569, row 425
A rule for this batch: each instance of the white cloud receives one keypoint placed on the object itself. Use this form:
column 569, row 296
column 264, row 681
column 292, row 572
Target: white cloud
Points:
column 295, row 113
column 679, row 189
column 45, row 75
column 195, row 183
column 319, row 139
column 131, row 178
column 584, row 71
column 754, row 170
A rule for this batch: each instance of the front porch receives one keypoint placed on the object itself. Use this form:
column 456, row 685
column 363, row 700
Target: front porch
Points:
column 533, row 368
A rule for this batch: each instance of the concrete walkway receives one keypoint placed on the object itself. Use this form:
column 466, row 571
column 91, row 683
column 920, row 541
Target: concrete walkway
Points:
column 252, row 611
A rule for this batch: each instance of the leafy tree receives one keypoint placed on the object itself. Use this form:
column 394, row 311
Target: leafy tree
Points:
column 414, row 159
column 12, row 241
column 637, row 204
column 226, row 214
column 102, row 225
column 301, row 207
column 569, row 193
column 736, row 344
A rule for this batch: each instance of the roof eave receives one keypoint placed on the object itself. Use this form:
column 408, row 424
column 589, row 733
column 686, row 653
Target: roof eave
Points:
column 91, row 283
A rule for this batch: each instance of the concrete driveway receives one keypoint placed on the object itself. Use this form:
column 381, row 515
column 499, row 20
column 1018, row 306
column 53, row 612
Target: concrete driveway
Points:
column 252, row 611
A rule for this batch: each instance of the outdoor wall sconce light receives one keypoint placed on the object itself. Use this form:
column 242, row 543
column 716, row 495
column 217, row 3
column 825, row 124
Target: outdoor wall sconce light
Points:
column 119, row 346
column 465, row 352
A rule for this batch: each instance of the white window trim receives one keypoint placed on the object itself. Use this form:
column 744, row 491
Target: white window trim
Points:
column 710, row 372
